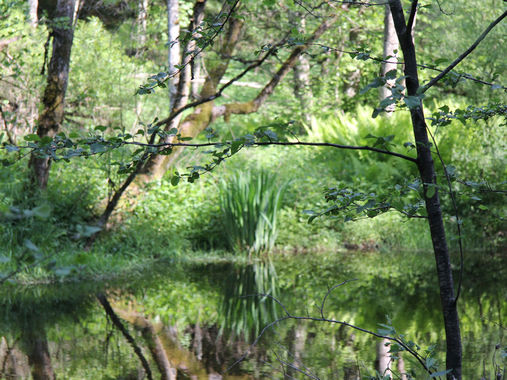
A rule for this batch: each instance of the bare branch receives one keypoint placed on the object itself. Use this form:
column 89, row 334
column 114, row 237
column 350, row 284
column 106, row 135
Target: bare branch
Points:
column 465, row 54
column 282, row 143
column 116, row 321
column 398, row 341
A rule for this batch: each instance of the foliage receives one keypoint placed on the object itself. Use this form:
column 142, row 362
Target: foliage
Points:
column 250, row 204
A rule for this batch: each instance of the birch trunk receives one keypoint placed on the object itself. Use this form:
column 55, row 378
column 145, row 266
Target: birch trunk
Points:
column 173, row 48
column 390, row 45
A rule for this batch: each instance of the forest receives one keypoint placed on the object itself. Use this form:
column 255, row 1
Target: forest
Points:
column 239, row 189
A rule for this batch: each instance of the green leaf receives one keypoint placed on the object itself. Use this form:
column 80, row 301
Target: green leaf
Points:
column 97, row 148
column 175, row 180
column 100, row 128
column 483, row 207
column 430, row 191
column 31, row 137
column 391, row 74
column 412, row 102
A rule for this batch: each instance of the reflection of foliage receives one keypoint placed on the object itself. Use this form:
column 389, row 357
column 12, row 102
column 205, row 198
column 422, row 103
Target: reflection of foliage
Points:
column 249, row 205
column 246, row 308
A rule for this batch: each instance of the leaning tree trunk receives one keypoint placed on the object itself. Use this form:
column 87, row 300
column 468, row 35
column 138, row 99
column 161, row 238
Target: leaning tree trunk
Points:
column 428, row 176
column 52, row 113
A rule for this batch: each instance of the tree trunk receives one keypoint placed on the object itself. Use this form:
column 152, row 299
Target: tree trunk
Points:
column 34, row 18
column 297, row 346
column 173, row 49
column 302, row 89
column 428, row 176
column 142, row 16
column 390, row 45
column 383, row 362
column 36, row 348
column 53, row 99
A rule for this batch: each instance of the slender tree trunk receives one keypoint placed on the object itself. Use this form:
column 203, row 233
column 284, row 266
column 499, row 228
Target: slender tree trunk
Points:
column 34, row 4
column 428, row 176
column 383, row 362
column 298, row 337
column 302, row 89
column 53, row 99
column 173, row 50
column 142, row 17
column 390, row 45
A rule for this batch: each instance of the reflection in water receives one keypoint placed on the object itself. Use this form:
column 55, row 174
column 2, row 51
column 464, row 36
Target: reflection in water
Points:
column 194, row 320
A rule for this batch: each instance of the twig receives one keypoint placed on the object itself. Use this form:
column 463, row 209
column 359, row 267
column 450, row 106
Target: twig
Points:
column 116, row 321
column 456, row 213
column 288, row 316
column 465, row 54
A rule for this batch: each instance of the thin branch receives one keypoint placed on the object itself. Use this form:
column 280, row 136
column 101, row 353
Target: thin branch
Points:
column 116, row 321
column 411, row 351
column 465, row 54
column 456, row 213
column 429, row 67
column 282, row 143
column 411, row 17
column 219, row 93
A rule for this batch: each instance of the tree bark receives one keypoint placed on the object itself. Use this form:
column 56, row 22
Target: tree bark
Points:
column 53, row 100
column 390, row 45
column 142, row 17
column 428, row 176
column 37, row 350
column 173, row 49
column 302, row 89
column 34, row 19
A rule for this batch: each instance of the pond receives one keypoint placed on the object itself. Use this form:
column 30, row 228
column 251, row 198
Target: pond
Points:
column 198, row 318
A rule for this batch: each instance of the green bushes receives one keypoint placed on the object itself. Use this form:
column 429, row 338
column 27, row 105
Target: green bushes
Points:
column 249, row 206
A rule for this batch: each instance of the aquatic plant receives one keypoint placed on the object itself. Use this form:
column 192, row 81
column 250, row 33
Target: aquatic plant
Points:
column 249, row 204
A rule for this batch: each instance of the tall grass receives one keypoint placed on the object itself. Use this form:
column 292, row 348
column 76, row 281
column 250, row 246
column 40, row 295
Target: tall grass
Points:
column 249, row 204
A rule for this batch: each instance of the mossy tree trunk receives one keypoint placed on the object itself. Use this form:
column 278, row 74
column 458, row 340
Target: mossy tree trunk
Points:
column 51, row 116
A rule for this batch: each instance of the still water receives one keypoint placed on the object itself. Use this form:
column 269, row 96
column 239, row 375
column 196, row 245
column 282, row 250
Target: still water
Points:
column 203, row 318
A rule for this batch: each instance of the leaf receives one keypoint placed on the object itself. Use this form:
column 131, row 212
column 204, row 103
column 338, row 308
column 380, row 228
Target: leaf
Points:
column 31, row 137
column 440, row 373
column 97, row 148
column 391, row 74
column 495, row 86
column 175, row 180
column 100, row 128
column 430, row 191
column 412, row 102
column 483, row 207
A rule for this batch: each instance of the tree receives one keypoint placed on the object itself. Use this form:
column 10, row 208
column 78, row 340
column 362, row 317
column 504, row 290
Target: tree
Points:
column 51, row 117
column 165, row 144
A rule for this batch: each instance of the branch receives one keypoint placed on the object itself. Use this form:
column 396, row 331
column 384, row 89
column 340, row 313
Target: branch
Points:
column 411, row 18
column 465, row 54
column 283, row 143
column 116, row 321
column 288, row 316
column 377, row 59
